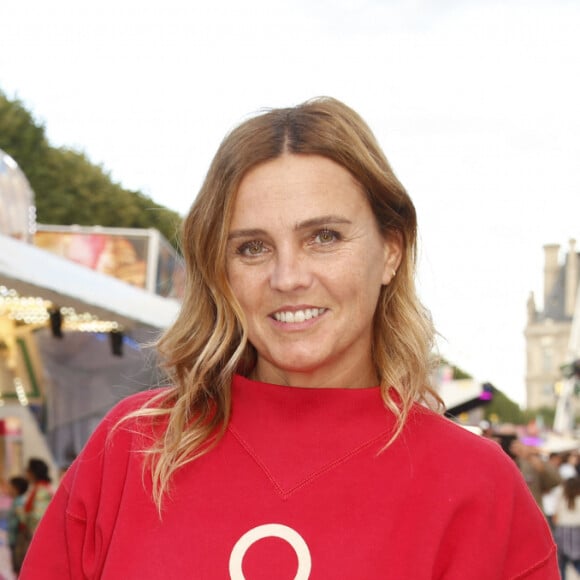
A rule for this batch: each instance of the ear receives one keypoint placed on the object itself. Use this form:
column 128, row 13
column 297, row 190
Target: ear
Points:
column 392, row 256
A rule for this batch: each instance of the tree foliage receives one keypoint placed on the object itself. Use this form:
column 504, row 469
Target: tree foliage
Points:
column 457, row 372
column 501, row 408
column 504, row 410
column 68, row 188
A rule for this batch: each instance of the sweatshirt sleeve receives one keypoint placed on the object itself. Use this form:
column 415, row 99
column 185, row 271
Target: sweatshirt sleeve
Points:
column 48, row 554
column 72, row 537
column 498, row 528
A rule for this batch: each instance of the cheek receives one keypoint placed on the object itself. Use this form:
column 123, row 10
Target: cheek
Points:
column 235, row 284
column 366, row 275
column 368, row 288
column 243, row 285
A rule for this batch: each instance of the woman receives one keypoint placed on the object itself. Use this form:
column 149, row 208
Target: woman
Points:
column 296, row 440
column 39, row 494
column 567, row 525
column 18, row 535
column 32, row 495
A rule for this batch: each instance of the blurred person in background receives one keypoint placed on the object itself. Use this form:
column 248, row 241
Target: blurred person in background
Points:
column 39, row 495
column 567, row 467
column 559, row 462
column 540, row 475
column 573, row 461
column 567, row 525
column 18, row 537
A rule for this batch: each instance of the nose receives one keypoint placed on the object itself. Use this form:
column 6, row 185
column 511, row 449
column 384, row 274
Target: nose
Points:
column 290, row 271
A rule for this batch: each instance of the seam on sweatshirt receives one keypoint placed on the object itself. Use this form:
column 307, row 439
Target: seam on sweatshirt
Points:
column 537, row 565
column 286, row 493
column 73, row 516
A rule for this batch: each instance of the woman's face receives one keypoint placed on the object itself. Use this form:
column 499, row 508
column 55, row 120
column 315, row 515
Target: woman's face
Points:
column 306, row 261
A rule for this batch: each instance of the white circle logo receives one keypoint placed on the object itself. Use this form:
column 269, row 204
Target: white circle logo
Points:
column 268, row 531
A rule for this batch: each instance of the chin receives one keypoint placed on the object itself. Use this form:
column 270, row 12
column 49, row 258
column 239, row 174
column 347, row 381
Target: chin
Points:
column 299, row 364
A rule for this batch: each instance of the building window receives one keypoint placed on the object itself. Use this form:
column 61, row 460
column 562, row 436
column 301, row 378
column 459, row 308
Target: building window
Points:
column 547, row 360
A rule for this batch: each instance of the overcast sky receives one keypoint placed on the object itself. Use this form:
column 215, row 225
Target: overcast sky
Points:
column 476, row 104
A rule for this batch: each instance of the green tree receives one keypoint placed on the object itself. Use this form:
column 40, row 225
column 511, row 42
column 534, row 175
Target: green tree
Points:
column 68, row 188
column 504, row 409
column 546, row 414
column 501, row 407
column 22, row 138
column 458, row 373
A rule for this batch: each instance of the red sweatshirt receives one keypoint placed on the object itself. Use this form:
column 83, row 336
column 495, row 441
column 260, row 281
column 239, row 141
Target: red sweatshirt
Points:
column 298, row 488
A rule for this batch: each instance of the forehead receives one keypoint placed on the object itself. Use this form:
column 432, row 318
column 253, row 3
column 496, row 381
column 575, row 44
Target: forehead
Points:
column 297, row 186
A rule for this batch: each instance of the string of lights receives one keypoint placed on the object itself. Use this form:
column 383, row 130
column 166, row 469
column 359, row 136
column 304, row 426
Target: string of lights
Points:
column 37, row 312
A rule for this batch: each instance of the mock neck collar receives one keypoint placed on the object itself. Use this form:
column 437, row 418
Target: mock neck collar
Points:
column 296, row 433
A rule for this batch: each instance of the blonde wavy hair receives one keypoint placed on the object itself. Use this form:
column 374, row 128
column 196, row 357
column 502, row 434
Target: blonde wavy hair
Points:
column 208, row 342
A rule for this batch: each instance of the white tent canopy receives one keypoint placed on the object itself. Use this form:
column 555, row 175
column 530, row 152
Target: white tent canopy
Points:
column 32, row 271
column 79, row 375
column 459, row 392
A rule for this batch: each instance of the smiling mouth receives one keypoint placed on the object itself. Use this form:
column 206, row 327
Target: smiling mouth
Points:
column 298, row 315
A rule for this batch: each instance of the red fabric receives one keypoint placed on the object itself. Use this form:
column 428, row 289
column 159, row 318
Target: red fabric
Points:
column 298, row 482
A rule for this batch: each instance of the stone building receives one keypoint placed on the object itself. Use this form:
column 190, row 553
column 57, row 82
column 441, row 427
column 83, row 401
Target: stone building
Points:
column 548, row 331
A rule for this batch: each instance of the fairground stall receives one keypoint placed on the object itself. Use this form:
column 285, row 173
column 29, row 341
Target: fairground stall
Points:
column 73, row 333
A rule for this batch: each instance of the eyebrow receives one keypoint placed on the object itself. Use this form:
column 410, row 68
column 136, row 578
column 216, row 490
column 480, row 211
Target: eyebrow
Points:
column 325, row 220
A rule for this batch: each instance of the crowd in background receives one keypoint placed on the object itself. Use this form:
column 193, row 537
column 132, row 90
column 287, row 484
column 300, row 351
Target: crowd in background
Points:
column 23, row 501
column 554, row 481
column 561, row 477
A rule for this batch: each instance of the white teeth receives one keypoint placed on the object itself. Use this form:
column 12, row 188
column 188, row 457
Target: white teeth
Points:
column 298, row 315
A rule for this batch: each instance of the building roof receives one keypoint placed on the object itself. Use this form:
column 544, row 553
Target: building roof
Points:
column 555, row 303
column 574, row 341
column 554, row 307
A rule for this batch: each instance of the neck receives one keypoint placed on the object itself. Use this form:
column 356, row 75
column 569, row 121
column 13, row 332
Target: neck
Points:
column 346, row 378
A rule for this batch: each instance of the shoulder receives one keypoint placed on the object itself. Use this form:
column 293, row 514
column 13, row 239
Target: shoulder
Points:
column 136, row 401
column 444, row 444
column 113, row 448
column 121, row 430
column 425, row 420
column 137, row 414
column 483, row 490
column 123, row 418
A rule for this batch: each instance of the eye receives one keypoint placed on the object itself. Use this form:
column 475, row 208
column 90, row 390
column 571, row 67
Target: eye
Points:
column 326, row 236
column 253, row 248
